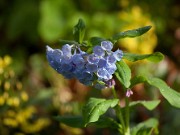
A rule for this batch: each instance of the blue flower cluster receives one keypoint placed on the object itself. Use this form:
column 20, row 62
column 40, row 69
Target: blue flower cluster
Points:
column 93, row 69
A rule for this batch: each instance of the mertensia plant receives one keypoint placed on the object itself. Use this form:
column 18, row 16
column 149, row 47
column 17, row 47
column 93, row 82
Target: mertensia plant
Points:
column 94, row 64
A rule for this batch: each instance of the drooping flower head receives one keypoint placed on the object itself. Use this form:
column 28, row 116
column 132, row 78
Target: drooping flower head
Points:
column 89, row 69
column 129, row 92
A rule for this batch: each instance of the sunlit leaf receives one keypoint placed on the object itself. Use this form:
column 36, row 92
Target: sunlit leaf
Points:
column 150, row 105
column 145, row 127
column 97, row 107
column 154, row 57
column 123, row 73
column 131, row 33
column 172, row 96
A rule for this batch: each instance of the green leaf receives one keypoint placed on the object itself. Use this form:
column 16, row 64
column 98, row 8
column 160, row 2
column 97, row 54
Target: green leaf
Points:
column 97, row 107
column 77, row 122
column 96, row 40
column 172, row 96
column 131, row 33
column 137, row 79
column 144, row 131
column 145, row 126
column 79, row 31
column 73, row 121
column 150, row 105
column 123, row 73
column 104, row 122
column 155, row 57
column 67, row 42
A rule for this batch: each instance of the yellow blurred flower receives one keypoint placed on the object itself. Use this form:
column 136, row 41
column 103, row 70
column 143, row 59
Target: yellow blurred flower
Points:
column 10, row 122
column 18, row 85
column 5, row 95
column 25, row 114
column 133, row 19
column 1, row 65
column 71, row 130
column 16, row 101
column 9, row 101
column 7, row 85
column 13, row 95
column 24, row 96
column 35, row 126
column 2, row 100
column 7, row 60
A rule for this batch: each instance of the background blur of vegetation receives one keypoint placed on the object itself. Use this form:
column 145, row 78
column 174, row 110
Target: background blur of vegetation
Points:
column 31, row 92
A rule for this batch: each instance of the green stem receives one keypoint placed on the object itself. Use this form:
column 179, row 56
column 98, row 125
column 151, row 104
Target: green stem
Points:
column 118, row 110
column 114, row 92
column 127, row 116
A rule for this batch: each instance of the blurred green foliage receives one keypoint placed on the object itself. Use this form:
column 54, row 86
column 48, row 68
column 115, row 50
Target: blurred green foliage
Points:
column 27, row 26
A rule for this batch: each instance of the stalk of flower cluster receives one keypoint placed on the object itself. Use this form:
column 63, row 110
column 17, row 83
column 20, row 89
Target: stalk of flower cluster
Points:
column 124, row 120
column 118, row 111
column 127, row 110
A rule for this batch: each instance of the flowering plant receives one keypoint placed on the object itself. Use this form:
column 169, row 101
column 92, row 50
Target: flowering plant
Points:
column 96, row 65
